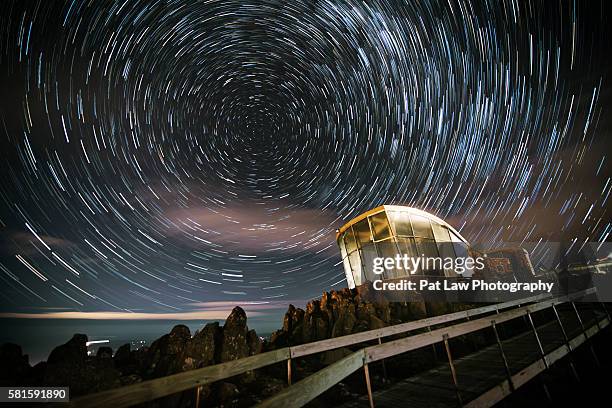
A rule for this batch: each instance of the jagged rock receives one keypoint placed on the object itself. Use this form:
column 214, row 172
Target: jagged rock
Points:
column 73, row 352
column 203, row 349
column 235, row 330
column 15, row 366
column 278, row 339
column 254, row 343
column 292, row 320
column 165, row 356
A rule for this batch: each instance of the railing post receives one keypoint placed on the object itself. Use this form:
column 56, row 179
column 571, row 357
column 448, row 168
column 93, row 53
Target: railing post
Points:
column 503, row 356
column 452, row 369
column 433, row 346
column 289, row 371
column 567, row 342
column 603, row 305
column 366, row 372
column 542, row 355
column 198, row 392
column 535, row 332
column 586, row 337
column 384, row 366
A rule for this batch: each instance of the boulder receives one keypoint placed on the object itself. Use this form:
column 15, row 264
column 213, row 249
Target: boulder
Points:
column 166, row 354
column 344, row 324
column 204, row 347
column 254, row 343
column 234, row 345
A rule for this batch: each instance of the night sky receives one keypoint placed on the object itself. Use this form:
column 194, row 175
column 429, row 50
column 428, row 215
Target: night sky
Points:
column 175, row 158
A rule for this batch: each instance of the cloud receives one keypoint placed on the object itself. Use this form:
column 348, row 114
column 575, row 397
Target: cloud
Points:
column 220, row 314
column 248, row 305
column 20, row 241
column 254, row 228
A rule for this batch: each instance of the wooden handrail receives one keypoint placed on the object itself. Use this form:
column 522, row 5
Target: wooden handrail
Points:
column 164, row 386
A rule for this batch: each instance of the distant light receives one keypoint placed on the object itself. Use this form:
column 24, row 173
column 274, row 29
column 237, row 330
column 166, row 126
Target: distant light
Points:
column 89, row 343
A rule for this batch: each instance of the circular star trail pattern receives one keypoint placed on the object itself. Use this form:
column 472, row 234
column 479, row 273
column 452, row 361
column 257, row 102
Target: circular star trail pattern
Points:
column 161, row 154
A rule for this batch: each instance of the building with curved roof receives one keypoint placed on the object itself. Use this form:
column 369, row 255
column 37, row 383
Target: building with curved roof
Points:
column 389, row 230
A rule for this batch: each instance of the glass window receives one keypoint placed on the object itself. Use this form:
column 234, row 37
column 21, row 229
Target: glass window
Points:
column 459, row 246
column 432, row 263
column 355, row 262
column 368, row 253
column 421, row 226
column 440, row 232
column 407, row 246
column 349, row 241
column 380, row 226
column 362, row 232
column 389, row 249
column 401, row 223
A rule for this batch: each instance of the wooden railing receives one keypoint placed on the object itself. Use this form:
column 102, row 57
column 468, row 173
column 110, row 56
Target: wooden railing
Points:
column 314, row 385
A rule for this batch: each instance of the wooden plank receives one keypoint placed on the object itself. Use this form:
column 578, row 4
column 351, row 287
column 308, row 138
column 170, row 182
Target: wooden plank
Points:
column 161, row 387
column 309, row 388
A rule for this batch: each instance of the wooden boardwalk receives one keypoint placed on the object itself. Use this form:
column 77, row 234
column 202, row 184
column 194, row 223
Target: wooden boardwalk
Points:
column 478, row 372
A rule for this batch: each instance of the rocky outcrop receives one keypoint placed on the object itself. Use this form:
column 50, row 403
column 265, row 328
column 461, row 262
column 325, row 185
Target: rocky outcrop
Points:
column 340, row 313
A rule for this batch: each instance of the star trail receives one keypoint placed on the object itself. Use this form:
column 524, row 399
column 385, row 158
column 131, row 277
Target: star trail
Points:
column 170, row 156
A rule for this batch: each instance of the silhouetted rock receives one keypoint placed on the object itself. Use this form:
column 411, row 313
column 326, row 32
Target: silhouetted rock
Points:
column 122, row 357
column 73, row 352
column 14, row 366
column 104, row 353
column 69, row 365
